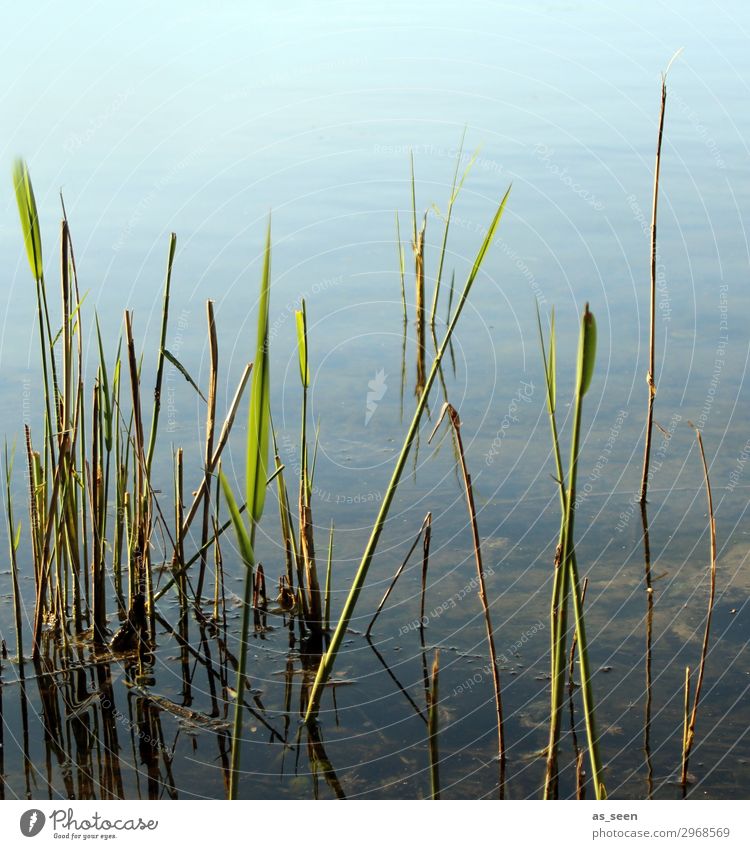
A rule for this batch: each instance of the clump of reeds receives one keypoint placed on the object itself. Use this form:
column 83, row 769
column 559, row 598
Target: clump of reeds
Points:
column 566, row 580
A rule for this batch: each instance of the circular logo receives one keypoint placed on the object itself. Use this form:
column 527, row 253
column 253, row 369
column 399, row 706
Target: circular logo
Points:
column 32, row 822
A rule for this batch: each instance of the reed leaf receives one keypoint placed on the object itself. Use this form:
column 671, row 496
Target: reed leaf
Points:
column 29, row 218
column 183, row 371
column 243, row 539
column 304, row 367
column 260, row 405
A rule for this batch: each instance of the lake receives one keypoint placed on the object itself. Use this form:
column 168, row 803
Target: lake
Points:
column 202, row 121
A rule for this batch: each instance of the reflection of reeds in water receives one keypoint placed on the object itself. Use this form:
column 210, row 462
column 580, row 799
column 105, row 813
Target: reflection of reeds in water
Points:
column 648, row 656
column 422, row 534
column 691, row 720
column 433, row 702
column 455, row 424
column 418, row 247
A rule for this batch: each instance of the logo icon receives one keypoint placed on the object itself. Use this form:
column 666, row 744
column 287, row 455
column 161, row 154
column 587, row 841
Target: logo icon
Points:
column 32, row 822
column 376, row 390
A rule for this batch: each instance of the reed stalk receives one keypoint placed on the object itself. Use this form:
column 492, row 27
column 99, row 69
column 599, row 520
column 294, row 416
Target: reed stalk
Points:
column 650, row 376
column 14, row 538
column 213, row 348
column 456, row 187
column 160, row 355
column 401, row 267
column 329, row 586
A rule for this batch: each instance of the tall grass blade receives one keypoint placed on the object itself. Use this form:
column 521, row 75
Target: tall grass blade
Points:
column 29, row 217
column 260, row 407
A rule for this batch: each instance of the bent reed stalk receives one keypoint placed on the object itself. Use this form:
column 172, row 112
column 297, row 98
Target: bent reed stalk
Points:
column 689, row 732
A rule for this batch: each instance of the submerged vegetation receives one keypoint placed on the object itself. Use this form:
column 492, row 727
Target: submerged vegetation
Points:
column 110, row 554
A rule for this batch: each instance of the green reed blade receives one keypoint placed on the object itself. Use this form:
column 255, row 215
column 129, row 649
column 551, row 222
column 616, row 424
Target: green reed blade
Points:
column 29, row 217
column 260, row 405
column 243, row 539
column 301, row 323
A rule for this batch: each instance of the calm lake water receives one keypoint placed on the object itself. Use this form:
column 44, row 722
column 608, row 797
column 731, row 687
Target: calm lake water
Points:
column 200, row 121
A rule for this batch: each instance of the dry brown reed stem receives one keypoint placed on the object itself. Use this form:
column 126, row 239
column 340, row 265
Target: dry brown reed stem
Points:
column 98, row 505
column 34, row 531
column 650, row 379
column 455, row 423
column 425, row 563
column 426, row 522
column 307, row 549
column 418, row 247
column 179, row 539
column 67, row 347
column 140, row 530
column 690, row 730
column 213, row 348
